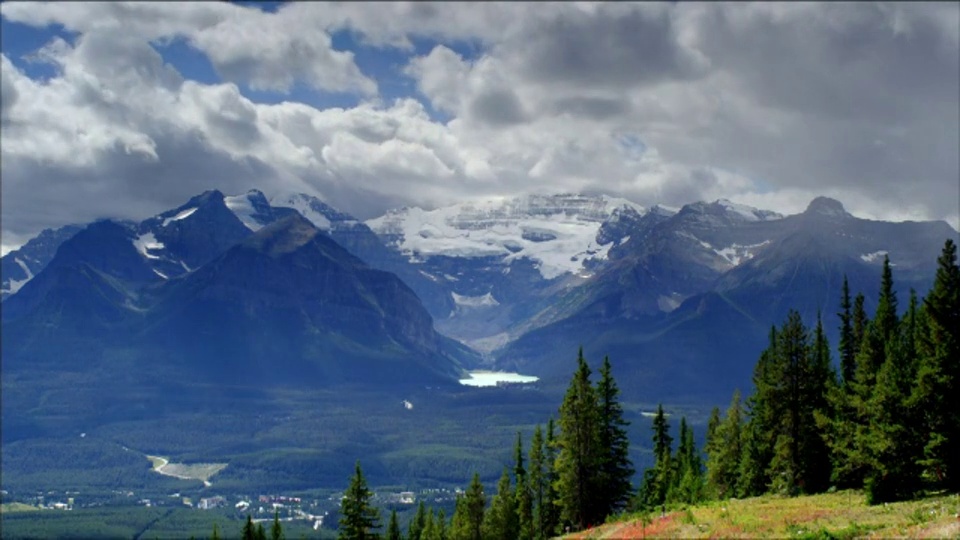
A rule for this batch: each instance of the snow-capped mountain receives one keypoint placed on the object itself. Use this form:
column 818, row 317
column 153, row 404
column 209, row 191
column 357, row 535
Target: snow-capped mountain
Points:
column 20, row 265
column 558, row 233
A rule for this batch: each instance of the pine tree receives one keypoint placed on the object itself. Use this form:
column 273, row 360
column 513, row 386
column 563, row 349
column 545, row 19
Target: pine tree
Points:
column 616, row 469
column 358, row 519
column 578, row 461
column 938, row 375
column 500, row 522
column 260, row 534
column 441, row 525
column 417, row 524
column 276, row 530
column 848, row 347
column 802, row 370
column 687, row 475
column 757, row 433
column 216, row 533
column 522, row 494
column 430, row 530
column 860, row 322
column 537, row 475
column 468, row 516
column 657, row 479
column 249, row 531
column 393, row 527
column 551, row 500
column 723, row 463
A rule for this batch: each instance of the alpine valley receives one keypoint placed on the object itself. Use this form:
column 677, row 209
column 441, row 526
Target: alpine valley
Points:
column 286, row 339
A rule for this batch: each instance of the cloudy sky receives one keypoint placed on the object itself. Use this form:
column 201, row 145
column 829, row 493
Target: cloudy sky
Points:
column 125, row 110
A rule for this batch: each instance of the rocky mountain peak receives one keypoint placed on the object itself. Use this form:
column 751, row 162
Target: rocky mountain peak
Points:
column 825, row 206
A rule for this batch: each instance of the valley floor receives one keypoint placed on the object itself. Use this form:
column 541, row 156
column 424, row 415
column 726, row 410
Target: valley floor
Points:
column 833, row 515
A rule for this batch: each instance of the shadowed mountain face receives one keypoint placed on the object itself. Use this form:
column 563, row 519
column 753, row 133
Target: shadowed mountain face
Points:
column 686, row 311
column 293, row 291
column 286, row 305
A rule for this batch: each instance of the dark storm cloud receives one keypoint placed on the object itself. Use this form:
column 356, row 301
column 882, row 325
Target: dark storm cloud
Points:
column 499, row 107
column 616, row 47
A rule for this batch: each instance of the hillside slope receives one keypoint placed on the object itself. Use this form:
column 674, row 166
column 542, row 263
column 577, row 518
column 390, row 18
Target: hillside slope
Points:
column 832, row 515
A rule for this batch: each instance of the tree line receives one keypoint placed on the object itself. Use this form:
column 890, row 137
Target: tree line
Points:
column 572, row 478
column 888, row 422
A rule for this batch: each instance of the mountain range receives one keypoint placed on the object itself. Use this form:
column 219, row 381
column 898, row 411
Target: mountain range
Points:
column 292, row 291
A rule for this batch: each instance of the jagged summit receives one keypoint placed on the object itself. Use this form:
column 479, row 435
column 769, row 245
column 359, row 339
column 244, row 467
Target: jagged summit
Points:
column 825, row 206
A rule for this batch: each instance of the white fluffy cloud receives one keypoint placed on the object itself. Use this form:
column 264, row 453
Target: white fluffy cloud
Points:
column 767, row 104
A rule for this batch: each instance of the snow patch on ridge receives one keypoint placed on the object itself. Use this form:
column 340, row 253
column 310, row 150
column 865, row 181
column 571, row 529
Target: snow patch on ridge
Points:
column 146, row 242
column 182, row 215
column 16, row 284
column 736, row 253
column 242, row 207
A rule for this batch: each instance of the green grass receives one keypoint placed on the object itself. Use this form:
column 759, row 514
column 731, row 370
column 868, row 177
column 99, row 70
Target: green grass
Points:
column 17, row 507
column 838, row 515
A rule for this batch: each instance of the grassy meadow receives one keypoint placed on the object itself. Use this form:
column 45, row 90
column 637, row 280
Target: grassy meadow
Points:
column 843, row 514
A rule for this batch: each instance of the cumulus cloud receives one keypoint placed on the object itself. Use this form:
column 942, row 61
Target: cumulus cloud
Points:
column 768, row 104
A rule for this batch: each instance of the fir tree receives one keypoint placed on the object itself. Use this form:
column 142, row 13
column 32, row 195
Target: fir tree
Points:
column 578, row 461
column 417, row 524
column 249, row 531
column 468, row 515
column 216, row 533
column 500, row 522
column 358, row 519
column 441, row 525
column 276, row 530
column 848, row 347
column 657, row 479
column 616, row 469
column 723, row 463
column 393, row 527
column 260, row 534
column 551, row 500
column 537, row 483
column 757, row 433
column 523, row 497
column 938, row 375
column 430, row 530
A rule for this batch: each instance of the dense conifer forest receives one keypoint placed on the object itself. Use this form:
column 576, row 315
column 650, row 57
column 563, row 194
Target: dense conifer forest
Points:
column 886, row 421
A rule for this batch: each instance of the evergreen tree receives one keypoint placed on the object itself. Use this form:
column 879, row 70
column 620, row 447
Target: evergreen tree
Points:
column 418, row 523
column 938, row 376
column 551, row 500
column 802, row 369
column 430, row 530
column 723, row 463
column 860, row 322
column 260, row 534
column 687, row 476
column 216, row 533
column 500, row 522
column 712, row 424
column 616, row 469
column 848, row 347
column 657, row 480
column 522, row 494
column 537, row 483
column 358, row 519
column 276, row 530
column 441, row 525
column 393, row 527
column 249, row 531
column 578, row 461
column 468, row 516
column 757, row 433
